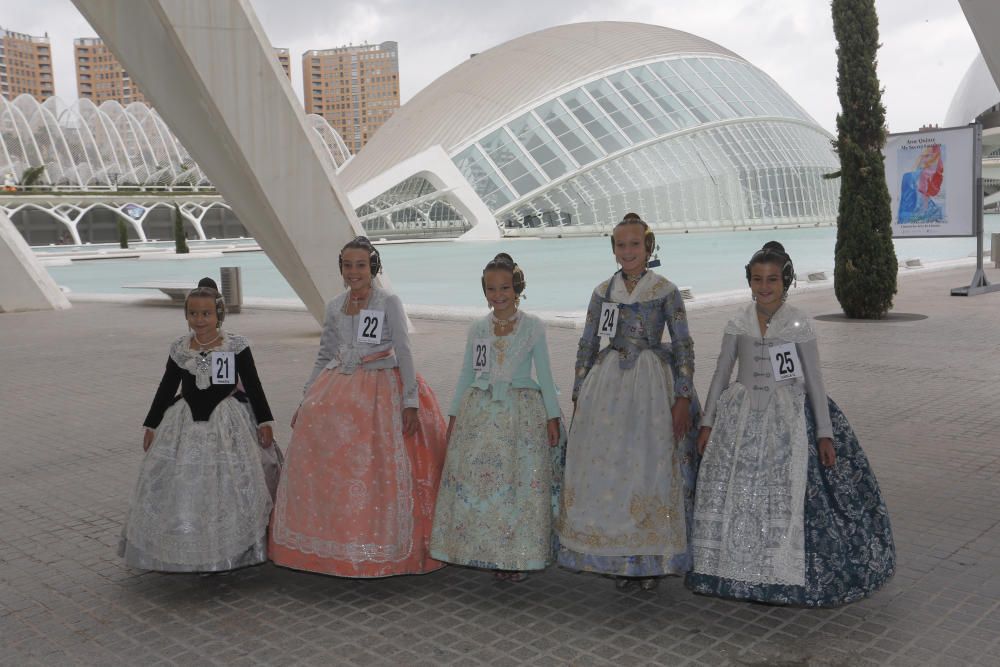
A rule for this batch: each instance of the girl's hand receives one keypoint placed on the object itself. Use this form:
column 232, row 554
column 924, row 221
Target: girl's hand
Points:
column 266, row 434
column 451, row 425
column 681, row 416
column 410, row 421
column 553, row 428
column 827, row 456
column 147, row 439
column 703, row 435
column 295, row 418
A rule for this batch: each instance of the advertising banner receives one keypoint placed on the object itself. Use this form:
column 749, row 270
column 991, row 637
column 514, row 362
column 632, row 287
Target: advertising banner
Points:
column 931, row 178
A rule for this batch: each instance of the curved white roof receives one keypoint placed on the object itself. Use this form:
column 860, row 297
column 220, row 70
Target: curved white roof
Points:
column 485, row 89
column 976, row 93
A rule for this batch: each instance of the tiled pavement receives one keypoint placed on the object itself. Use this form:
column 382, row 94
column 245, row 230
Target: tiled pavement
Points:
column 75, row 385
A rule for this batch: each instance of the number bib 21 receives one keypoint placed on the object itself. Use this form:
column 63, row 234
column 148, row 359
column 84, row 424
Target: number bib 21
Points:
column 608, row 324
column 370, row 326
column 223, row 368
column 785, row 362
column 481, row 355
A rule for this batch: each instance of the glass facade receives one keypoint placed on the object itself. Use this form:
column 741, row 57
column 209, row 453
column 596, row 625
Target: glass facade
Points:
column 412, row 208
column 693, row 141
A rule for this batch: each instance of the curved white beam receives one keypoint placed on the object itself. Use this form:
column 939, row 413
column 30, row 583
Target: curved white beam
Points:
column 210, row 72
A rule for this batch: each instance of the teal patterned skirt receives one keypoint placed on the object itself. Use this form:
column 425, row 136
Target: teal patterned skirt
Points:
column 500, row 485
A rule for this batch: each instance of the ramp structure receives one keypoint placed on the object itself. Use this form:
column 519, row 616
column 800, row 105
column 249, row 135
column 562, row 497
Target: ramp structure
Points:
column 24, row 282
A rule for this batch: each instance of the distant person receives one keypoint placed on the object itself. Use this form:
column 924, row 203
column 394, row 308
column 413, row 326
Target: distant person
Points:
column 357, row 492
column 788, row 510
column 202, row 503
column 496, row 503
column 630, row 462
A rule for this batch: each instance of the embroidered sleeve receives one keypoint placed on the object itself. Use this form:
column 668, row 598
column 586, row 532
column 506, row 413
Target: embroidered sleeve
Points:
column 543, row 369
column 465, row 375
column 247, row 371
column 681, row 344
column 723, row 373
column 328, row 343
column 590, row 343
column 164, row 397
column 809, row 356
column 396, row 318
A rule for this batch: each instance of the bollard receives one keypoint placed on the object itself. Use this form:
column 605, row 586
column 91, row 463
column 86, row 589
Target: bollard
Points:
column 232, row 288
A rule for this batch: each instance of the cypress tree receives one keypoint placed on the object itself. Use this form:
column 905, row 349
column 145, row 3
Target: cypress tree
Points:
column 865, row 269
column 122, row 234
column 180, row 241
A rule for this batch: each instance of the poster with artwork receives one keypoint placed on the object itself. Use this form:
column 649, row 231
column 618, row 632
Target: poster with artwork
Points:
column 931, row 179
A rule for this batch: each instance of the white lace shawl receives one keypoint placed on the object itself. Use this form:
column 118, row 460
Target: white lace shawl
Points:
column 788, row 324
column 200, row 366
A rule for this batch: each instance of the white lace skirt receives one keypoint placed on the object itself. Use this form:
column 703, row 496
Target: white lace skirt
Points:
column 749, row 508
column 201, row 503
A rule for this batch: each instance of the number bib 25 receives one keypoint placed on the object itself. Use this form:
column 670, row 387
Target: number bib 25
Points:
column 370, row 326
column 481, row 355
column 608, row 324
column 785, row 362
column 223, row 368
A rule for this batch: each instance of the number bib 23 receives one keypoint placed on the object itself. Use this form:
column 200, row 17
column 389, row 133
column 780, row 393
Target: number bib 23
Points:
column 370, row 326
column 481, row 352
column 223, row 368
column 608, row 324
column 785, row 362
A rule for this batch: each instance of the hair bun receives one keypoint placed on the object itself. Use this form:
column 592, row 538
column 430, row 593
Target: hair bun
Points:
column 504, row 257
column 208, row 282
column 774, row 245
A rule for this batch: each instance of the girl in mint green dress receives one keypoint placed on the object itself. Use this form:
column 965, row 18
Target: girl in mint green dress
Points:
column 498, row 493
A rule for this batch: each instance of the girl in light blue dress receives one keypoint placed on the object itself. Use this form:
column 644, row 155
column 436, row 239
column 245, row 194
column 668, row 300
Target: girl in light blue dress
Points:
column 499, row 488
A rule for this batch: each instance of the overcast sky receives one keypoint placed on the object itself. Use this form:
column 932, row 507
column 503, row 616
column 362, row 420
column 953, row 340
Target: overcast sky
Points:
column 927, row 44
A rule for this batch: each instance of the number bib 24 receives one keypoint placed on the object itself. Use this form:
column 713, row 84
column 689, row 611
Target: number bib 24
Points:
column 481, row 355
column 785, row 362
column 223, row 368
column 608, row 324
column 370, row 326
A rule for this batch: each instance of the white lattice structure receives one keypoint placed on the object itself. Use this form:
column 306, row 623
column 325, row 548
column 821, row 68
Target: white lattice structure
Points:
column 88, row 147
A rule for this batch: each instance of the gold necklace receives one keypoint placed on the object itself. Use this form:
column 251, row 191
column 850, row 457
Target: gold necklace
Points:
column 505, row 323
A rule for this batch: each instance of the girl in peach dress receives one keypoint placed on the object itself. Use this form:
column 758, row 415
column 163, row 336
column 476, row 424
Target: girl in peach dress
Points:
column 357, row 493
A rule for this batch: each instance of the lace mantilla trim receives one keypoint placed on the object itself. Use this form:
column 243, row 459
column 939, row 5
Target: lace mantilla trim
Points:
column 788, row 324
column 529, row 330
column 199, row 365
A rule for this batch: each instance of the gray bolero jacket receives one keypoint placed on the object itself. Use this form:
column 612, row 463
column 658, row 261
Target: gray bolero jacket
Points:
column 742, row 341
column 339, row 347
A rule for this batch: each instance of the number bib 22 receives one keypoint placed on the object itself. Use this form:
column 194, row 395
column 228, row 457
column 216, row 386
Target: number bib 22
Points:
column 608, row 324
column 223, row 368
column 785, row 362
column 370, row 326
column 481, row 355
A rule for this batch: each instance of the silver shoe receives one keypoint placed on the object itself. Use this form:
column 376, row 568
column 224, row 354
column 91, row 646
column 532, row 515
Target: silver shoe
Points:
column 623, row 584
column 649, row 583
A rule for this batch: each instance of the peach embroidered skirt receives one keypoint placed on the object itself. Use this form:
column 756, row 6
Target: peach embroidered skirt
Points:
column 356, row 498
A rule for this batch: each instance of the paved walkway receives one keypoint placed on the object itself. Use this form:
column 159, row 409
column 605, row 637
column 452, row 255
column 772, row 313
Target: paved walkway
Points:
column 75, row 385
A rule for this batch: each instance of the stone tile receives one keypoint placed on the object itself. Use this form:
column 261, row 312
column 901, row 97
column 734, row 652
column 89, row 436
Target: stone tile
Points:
column 75, row 384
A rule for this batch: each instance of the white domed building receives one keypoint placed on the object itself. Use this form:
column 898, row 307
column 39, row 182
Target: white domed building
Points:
column 564, row 130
